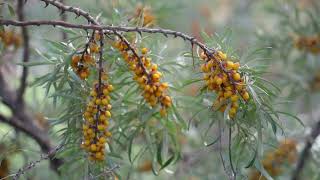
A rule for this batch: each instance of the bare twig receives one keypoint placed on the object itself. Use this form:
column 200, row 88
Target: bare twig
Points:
column 306, row 151
column 26, row 53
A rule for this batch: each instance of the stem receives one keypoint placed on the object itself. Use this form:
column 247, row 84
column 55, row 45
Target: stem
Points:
column 26, row 54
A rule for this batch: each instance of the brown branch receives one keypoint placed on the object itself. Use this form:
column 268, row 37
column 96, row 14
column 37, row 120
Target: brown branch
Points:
column 306, row 151
column 111, row 29
column 77, row 11
column 26, row 53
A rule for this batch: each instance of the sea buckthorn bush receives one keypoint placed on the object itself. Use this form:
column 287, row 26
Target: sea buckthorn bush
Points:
column 127, row 93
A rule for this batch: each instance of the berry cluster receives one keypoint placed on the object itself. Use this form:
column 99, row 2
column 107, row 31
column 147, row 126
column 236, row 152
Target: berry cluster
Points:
column 308, row 43
column 147, row 76
column 80, row 63
column 10, row 38
column 95, row 126
column 221, row 76
column 273, row 161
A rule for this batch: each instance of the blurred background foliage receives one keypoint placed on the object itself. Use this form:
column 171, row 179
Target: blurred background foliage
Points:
column 278, row 38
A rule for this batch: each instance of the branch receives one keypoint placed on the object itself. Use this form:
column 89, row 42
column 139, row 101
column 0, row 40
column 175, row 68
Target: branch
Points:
column 111, row 30
column 77, row 11
column 306, row 151
column 26, row 53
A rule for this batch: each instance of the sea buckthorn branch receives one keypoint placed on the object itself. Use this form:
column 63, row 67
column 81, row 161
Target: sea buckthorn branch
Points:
column 208, row 55
column 97, row 113
column 147, row 76
column 26, row 53
column 222, row 76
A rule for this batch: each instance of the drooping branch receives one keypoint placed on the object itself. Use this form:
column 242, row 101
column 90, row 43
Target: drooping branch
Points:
column 26, row 53
column 315, row 132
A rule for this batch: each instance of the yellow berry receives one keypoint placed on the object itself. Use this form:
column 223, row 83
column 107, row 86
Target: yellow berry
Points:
column 105, row 92
column 108, row 134
column 236, row 76
column 234, row 98
column 246, row 96
column 144, row 50
column 110, row 88
column 98, row 101
column 108, row 114
column 105, row 101
column 93, row 147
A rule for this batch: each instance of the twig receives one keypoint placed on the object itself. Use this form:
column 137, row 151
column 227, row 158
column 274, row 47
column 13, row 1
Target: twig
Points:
column 306, row 151
column 26, row 54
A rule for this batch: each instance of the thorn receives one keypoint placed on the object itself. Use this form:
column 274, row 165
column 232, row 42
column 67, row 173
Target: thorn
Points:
column 166, row 35
column 47, row 4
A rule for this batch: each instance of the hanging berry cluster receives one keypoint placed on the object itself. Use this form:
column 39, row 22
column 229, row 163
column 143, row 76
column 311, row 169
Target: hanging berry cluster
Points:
column 273, row 161
column 10, row 38
column 308, row 43
column 147, row 76
column 221, row 76
column 95, row 126
column 80, row 63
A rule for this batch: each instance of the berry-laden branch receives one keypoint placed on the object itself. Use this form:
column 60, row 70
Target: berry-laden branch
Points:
column 97, row 113
column 26, row 53
column 221, row 74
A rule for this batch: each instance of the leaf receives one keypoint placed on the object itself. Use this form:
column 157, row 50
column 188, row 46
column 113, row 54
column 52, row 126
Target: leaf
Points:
column 167, row 162
column 293, row 116
column 35, row 63
column 179, row 117
column 159, row 156
column 252, row 160
column 11, row 10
